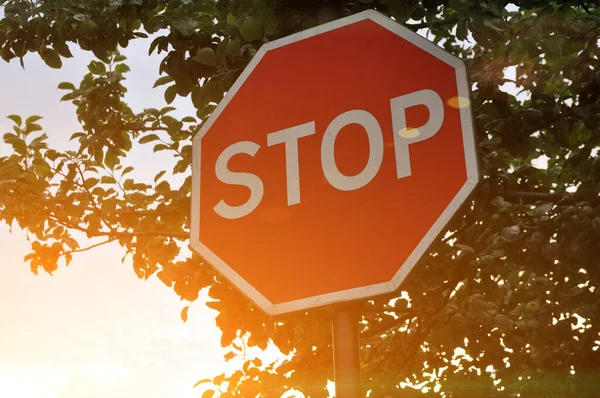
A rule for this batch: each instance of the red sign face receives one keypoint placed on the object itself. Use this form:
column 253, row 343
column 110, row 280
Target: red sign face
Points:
column 332, row 164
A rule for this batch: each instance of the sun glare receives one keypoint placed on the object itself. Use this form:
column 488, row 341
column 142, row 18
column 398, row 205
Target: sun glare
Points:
column 31, row 383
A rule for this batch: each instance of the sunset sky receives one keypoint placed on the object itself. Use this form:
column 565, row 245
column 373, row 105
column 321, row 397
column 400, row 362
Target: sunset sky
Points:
column 93, row 329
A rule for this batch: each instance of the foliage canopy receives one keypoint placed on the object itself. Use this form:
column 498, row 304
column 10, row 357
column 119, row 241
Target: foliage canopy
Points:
column 504, row 284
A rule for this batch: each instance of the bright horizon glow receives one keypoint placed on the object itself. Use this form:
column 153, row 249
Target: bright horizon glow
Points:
column 94, row 329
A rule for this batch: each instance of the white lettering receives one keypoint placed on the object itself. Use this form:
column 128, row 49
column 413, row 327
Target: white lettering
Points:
column 403, row 136
column 330, row 169
column 253, row 182
column 290, row 137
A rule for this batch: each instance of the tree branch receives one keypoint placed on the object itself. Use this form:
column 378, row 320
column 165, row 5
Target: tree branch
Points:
column 91, row 247
column 142, row 213
column 165, row 234
column 51, row 215
column 91, row 196
column 434, row 24
column 112, row 234
column 528, row 197
column 134, row 127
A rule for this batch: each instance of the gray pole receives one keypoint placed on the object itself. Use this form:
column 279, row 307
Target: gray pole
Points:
column 346, row 353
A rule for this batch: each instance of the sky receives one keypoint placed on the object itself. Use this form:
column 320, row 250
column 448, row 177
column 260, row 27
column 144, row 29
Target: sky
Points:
column 93, row 329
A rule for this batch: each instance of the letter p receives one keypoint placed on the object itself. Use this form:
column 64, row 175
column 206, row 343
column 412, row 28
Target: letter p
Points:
column 403, row 136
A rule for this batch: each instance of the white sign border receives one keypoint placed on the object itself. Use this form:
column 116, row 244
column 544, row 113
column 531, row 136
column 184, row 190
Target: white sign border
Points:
column 364, row 291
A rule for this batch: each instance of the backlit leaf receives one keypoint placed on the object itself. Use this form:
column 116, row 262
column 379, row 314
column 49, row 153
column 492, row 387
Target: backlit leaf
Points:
column 251, row 29
column 206, row 56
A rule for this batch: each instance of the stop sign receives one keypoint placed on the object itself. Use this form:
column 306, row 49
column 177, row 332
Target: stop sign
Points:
column 333, row 162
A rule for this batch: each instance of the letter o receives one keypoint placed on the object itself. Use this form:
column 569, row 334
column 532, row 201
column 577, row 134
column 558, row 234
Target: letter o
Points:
column 330, row 169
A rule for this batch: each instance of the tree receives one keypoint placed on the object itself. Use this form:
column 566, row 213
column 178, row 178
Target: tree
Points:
column 514, row 280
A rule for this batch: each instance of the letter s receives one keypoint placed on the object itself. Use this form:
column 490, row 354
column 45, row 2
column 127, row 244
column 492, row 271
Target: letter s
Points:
column 252, row 181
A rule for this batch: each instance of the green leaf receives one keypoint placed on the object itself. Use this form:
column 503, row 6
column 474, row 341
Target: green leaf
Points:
column 160, row 147
column 464, row 248
column 462, row 30
column 122, row 68
column 66, row 86
column 88, row 29
column 170, row 94
column 108, row 180
column 251, row 29
column 208, row 394
column 555, row 42
column 229, row 356
column 38, row 142
column 16, row 118
column 162, row 80
column 491, row 25
column 51, row 58
column 75, row 135
column 186, row 26
column 159, row 175
column 155, row 43
column 111, row 159
column 418, row 13
column 511, row 233
column 231, row 18
column 149, row 138
column 173, row 125
column 206, row 56
column 62, row 48
column 33, row 119
column 430, row 16
column 222, row 50
column 32, row 127
column 233, row 47
column 128, row 184
column 17, row 143
column 72, row 243
column 198, row 97
column 68, row 97
column 97, row 68
column 199, row 381
column 52, row 155
column 218, row 380
column 90, row 182
column 166, row 110
column 207, row 9
column 99, row 156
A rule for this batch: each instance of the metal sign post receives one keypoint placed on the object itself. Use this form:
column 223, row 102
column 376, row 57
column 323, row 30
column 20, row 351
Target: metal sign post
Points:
column 346, row 353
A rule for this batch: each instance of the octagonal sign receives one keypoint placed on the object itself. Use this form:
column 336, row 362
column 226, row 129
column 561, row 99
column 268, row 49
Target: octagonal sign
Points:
column 333, row 162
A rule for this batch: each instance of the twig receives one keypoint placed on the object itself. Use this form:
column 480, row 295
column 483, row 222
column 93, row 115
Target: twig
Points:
column 165, row 234
column 535, row 196
column 434, row 24
column 115, row 234
column 91, row 247
column 142, row 213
